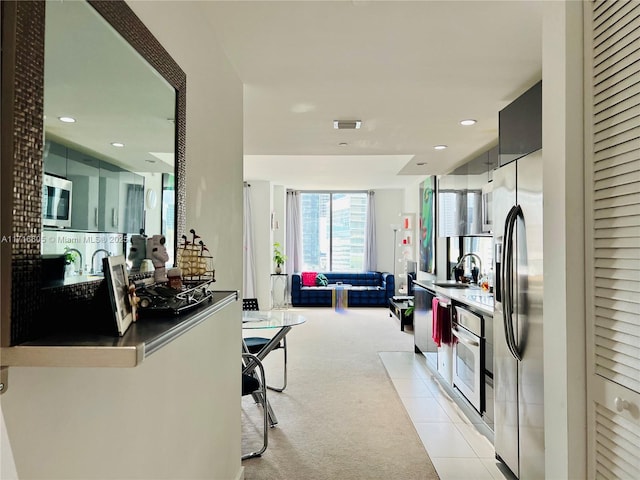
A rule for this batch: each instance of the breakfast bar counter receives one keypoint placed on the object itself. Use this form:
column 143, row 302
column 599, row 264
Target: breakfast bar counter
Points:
column 86, row 349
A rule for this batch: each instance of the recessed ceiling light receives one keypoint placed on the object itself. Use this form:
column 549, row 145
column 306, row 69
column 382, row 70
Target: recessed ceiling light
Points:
column 421, row 163
column 67, row 119
column 439, row 147
column 343, row 144
column 467, row 122
column 117, row 144
column 149, row 160
column 346, row 124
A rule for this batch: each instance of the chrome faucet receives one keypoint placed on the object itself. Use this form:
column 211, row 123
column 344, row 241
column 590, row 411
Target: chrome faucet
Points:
column 75, row 250
column 93, row 258
column 459, row 264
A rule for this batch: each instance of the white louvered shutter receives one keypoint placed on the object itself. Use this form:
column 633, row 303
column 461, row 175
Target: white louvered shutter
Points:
column 612, row 71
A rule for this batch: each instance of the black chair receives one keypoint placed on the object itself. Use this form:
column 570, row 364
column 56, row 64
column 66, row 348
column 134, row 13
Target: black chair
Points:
column 250, row 304
column 255, row 344
column 255, row 384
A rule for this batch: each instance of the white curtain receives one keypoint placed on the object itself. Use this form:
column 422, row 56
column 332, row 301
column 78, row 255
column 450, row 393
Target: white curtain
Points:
column 370, row 257
column 249, row 273
column 293, row 247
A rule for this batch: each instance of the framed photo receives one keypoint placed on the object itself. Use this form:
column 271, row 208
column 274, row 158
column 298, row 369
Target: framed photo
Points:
column 115, row 273
column 427, row 225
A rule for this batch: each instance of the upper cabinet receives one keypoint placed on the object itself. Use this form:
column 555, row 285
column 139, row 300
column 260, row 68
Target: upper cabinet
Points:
column 493, row 162
column 84, row 174
column 105, row 197
column 520, row 126
column 109, row 198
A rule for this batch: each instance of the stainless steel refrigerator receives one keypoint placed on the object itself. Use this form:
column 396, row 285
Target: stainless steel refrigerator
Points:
column 518, row 364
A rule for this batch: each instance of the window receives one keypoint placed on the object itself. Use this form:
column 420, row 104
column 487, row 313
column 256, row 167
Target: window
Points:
column 333, row 231
column 458, row 246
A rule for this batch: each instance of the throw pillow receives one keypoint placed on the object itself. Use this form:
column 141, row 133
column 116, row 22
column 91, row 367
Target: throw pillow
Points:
column 309, row 279
column 321, row 280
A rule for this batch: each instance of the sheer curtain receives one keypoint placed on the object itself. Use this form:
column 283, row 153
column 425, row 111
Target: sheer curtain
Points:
column 134, row 208
column 293, row 247
column 370, row 257
column 249, row 273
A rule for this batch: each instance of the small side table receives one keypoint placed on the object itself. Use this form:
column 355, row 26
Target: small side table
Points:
column 398, row 308
column 340, row 296
column 279, row 290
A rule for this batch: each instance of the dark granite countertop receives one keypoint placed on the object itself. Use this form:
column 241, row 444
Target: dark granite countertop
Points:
column 142, row 338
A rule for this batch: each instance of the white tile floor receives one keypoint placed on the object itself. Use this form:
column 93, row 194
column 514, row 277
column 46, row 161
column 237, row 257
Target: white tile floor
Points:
column 458, row 443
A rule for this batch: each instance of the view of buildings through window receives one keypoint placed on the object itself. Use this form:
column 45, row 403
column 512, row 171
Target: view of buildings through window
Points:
column 333, row 231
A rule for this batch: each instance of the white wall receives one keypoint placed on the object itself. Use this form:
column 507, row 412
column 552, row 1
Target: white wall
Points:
column 279, row 217
column 152, row 215
column 178, row 414
column 389, row 206
column 261, row 209
column 564, row 313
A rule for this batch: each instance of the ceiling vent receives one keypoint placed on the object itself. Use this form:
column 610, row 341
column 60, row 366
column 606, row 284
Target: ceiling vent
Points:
column 346, row 124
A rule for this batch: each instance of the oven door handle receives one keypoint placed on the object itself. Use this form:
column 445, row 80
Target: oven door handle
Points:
column 464, row 339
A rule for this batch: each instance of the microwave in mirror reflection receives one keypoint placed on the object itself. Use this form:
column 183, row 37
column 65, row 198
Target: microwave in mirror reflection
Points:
column 56, row 201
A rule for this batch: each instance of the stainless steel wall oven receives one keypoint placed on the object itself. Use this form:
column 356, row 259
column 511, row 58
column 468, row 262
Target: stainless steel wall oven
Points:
column 468, row 357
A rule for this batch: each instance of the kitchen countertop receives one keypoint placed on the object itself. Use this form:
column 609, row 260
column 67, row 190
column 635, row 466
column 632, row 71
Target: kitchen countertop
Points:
column 472, row 295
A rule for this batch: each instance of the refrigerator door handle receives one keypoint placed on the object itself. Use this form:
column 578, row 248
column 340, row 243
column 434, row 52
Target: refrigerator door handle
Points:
column 503, row 281
column 512, row 218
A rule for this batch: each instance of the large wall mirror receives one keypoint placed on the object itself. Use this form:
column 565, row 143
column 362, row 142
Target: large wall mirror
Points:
column 96, row 110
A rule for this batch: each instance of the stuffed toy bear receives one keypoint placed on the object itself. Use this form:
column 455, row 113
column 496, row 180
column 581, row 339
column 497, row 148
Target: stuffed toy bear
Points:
column 157, row 252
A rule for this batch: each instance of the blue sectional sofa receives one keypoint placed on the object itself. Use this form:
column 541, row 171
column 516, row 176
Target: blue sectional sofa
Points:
column 368, row 289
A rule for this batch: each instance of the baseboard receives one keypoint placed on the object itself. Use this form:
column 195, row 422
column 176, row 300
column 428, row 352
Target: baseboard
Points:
column 240, row 475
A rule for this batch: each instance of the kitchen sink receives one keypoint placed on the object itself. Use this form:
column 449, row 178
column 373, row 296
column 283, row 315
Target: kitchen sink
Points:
column 451, row 284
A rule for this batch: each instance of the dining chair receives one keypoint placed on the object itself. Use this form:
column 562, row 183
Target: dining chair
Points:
column 255, row 384
column 255, row 344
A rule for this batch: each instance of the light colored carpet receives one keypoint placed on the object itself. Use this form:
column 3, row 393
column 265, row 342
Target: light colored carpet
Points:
column 340, row 416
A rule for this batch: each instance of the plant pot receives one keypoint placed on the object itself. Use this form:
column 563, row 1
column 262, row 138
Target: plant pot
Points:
column 278, row 269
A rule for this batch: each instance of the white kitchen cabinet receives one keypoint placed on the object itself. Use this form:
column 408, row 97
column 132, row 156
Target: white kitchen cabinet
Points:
column 109, row 198
column 131, row 202
column 106, row 198
column 83, row 171
column 55, row 159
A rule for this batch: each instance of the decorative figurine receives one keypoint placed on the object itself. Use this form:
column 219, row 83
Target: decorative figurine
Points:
column 138, row 251
column 134, row 301
column 194, row 260
column 157, row 252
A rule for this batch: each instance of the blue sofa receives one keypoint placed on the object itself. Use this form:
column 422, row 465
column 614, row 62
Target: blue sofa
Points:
column 368, row 289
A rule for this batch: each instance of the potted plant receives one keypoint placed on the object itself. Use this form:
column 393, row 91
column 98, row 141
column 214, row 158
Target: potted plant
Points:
column 278, row 257
column 70, row 257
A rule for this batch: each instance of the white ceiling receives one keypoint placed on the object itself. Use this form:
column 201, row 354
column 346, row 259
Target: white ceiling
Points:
column 409, row 70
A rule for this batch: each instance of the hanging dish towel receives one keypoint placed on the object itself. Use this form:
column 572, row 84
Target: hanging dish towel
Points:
column 441, row 323
column 435, row 324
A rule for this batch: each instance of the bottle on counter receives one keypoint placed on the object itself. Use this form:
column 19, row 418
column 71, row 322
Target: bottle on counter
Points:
column 490, row 279
column 484, row 282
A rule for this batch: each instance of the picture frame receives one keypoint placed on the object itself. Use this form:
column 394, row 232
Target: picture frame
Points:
column 117, row 278
column 428, row 225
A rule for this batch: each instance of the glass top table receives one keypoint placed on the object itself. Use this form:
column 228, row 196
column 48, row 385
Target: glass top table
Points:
column 283, row 321
column 270, row 319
